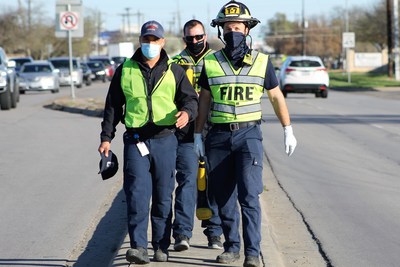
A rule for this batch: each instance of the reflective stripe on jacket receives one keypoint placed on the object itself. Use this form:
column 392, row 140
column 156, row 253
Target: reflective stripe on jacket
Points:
column 140, row 107
column 197, row 67
column 236, row 93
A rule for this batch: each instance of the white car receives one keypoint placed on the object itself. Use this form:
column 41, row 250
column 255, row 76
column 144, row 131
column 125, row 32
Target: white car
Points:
column 38, row 76
column 62, row 64
column 304, row 74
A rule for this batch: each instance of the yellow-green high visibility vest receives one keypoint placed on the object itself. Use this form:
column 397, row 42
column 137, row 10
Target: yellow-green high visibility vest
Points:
column 236, row 94
column 139, row 105
column 197, row 67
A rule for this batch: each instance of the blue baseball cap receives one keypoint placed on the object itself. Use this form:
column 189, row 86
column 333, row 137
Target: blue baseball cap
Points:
column 152, row 27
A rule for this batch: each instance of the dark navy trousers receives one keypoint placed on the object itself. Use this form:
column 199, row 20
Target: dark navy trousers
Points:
column 148, row 178
column 185, row 193
column 235, row 176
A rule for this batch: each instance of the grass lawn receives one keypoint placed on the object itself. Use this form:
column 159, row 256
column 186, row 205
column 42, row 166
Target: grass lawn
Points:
column 361, row 80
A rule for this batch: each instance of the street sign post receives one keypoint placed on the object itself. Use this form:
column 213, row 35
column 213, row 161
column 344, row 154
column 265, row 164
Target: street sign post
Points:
column 348, row 41
column 69, row 14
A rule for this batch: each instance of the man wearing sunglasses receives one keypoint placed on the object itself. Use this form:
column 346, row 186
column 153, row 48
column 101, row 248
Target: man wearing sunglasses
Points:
column 186, row 163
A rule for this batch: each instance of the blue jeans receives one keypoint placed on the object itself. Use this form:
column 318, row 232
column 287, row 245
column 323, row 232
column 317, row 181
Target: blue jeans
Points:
column 235, row 174
column 149, row 177
column 186, row 191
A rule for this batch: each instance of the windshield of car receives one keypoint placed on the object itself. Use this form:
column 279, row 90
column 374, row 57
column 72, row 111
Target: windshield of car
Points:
column 305, row 63
column 59, row 63
column 20, row 61
column 95, row 65
column 105, row 61
column 36, row 68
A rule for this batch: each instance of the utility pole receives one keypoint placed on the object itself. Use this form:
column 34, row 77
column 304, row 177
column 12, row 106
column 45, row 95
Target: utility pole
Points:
column 390, row 37
column 303, row 24
column 139, row 16
column 128, row 20
column 98, row 30
column 29, row 15
column 123, row 25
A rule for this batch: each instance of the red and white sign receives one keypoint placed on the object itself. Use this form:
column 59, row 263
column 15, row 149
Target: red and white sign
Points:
column 69, row 20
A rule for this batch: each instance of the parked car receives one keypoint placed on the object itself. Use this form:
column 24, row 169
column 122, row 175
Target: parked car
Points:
column 9, row 93
column 19, row 61
column 87, row 73
column 62, row 64
column 39, row 76
column 98, row 69
column 118, row 60
column 108, row 63
column 304, row 74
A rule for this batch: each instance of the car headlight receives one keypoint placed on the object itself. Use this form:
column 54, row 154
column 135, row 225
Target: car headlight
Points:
column 102, row 72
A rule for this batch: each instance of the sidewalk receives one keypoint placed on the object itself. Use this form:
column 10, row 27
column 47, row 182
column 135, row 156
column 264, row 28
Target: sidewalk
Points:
column 285, row 239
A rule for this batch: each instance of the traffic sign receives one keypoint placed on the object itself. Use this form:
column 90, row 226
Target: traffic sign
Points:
column 69, row 20
column 349, row 40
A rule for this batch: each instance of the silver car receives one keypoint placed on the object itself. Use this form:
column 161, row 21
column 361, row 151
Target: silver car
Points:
column 39, row 76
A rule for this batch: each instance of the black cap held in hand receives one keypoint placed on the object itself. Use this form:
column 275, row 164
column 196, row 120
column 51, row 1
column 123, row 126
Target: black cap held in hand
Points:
column 108, row 165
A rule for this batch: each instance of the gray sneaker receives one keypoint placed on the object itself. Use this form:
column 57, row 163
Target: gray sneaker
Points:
column 137, row 255
column 228, row 257
column 161, row 255
column 181, row 243
column 214, row 242
column 251, row 261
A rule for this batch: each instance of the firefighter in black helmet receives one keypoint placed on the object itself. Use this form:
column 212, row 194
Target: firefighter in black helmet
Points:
column 234, row 80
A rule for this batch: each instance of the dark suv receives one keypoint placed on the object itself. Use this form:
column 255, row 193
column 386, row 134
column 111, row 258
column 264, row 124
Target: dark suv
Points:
column 9, row 92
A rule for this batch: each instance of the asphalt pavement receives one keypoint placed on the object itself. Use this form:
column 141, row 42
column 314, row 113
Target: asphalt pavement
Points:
column 286, row 240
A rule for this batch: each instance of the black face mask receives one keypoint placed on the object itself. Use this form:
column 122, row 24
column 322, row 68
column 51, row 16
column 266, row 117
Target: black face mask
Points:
column 195, row 48
column 236, row 47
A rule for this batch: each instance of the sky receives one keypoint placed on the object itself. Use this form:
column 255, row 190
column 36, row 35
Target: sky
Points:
column 203, row 10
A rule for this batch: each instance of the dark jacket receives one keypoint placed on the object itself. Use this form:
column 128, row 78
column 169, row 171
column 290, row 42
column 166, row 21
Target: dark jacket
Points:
column 185, row 98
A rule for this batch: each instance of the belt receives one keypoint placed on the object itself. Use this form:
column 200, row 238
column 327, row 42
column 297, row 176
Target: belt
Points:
column 234, row 126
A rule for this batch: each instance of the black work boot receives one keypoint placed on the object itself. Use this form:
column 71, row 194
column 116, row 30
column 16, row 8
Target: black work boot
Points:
column 228, row 257
column 160, row 255
column 137, row 255
column 251, row 261
column 214, row 242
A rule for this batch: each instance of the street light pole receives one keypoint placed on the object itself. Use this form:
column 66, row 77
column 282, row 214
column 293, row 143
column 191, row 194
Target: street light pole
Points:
column 396, row 39
column 347, row 49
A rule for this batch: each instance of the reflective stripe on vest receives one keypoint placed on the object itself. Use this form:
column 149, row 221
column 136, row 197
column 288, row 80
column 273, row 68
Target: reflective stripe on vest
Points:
column 236, row 93
column 197, row 67
column 139, row 105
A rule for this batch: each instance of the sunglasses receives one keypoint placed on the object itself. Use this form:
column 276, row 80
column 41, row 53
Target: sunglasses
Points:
column 190, row 39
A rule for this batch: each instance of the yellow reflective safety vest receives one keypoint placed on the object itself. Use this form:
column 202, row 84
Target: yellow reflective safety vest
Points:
column 140, row 107
column 236, row 94
column 197, row 67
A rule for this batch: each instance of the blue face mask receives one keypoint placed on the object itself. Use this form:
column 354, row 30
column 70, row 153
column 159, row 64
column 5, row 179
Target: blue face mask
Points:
column 150, row 50
column 236, row 47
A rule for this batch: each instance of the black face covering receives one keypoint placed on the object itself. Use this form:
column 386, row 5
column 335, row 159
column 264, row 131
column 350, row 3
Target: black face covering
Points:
column 195, row 48
column 236, row 47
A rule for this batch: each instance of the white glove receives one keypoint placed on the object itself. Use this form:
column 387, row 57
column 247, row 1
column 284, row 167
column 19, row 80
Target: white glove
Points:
column 198, row 145
column 289, row 140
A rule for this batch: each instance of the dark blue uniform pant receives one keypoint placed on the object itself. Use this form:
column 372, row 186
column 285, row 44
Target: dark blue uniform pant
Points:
column 145, row 178
column 235, row 175
column 186, row 191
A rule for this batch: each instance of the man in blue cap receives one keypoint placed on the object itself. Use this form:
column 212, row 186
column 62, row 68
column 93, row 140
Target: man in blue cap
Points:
column 152, row 96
